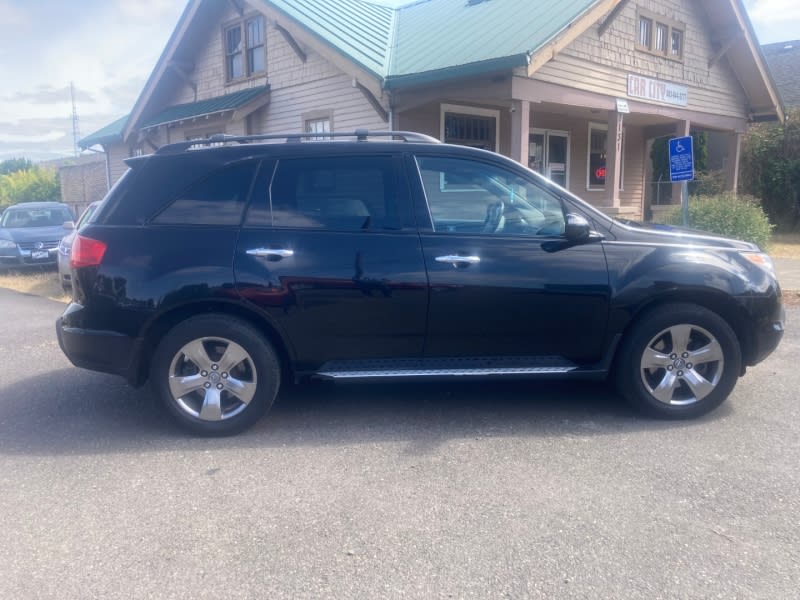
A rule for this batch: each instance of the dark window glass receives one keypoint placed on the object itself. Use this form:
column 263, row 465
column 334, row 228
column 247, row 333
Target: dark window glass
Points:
column 218, row 199
column 255, row 46
column 470, row 130
column 233, row 52
column 597, row 158
column 341, row 193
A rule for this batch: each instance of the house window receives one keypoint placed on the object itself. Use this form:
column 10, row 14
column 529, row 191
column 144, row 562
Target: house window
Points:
column 318, row 126
column 659, row 35
column 245, row 48
column 469, row 126
column 596, row 165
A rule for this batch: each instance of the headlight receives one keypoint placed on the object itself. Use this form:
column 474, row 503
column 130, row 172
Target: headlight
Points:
column 7, row 244
column 760, row 259
column 63, row 249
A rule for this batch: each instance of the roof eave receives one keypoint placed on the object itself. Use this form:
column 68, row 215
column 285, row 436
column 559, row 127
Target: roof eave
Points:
column 157, row 73
column 503, row 63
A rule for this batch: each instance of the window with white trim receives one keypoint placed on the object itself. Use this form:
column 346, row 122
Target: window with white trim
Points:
column 659, row 35
column 245, row 48
column 318, row 126
column 596, row 159
column 470, row 126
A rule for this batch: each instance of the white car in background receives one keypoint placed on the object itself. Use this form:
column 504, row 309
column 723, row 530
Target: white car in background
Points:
column 65, row 248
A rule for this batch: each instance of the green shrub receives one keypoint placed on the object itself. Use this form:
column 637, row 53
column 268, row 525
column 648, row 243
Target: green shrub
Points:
column 729, row 215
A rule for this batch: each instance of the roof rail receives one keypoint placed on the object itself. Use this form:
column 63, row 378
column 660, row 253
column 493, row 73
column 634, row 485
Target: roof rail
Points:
column 361, row 135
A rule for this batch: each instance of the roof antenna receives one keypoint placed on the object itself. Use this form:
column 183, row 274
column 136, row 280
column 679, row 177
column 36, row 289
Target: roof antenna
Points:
column 76, row 131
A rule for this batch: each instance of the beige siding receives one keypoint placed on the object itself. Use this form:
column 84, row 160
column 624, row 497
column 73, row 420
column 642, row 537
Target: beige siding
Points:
column 601, row 64
column 298, row 89
column 209, row 71
column 117, row 153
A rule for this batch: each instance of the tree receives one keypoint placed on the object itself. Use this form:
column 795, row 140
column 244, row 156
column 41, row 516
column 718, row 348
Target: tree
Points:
column 14, row 164
column 30, row 185
column 770, row 169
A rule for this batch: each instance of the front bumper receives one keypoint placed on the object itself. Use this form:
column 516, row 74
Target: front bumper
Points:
column 28, row 258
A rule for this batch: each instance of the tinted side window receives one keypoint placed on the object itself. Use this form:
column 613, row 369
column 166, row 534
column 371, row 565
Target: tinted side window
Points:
column 340, row 193
column 467, row 196
column 218, row 199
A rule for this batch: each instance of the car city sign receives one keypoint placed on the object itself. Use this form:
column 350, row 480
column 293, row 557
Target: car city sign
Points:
column 656, row 90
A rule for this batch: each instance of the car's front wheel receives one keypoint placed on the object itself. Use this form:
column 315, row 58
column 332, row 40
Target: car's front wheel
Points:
column 216, row 375
column 678, row 361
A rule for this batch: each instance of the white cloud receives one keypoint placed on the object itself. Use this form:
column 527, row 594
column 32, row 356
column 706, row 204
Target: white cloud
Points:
column 771, row 12
column 11, row 15
column 50, row 136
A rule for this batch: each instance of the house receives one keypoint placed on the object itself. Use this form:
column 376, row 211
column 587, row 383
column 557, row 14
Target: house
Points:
column 784, row 63
column 83, row 179
column 575, row 89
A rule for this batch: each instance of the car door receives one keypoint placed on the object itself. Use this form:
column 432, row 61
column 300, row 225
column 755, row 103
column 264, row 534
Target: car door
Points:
column 504, row 280
column 336, row 263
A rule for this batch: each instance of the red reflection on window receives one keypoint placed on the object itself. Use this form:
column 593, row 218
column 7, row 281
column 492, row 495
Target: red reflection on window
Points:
column 600, row 173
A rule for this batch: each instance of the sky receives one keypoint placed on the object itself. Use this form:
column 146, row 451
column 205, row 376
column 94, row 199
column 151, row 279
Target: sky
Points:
column 108, row 48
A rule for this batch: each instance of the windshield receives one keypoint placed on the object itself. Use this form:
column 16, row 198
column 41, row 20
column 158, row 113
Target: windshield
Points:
column 35, row 217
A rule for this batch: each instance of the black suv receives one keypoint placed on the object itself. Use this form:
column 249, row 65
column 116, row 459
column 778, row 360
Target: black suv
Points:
column 220, row 272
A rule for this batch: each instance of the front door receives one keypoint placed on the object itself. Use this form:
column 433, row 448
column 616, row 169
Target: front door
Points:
column 503, row 280
column 548, row 154
column 328, row 251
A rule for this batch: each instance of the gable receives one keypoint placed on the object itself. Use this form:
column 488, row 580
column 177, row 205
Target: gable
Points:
column 601, row 59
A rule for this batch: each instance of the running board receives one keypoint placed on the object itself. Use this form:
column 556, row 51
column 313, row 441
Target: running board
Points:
column 445, row 367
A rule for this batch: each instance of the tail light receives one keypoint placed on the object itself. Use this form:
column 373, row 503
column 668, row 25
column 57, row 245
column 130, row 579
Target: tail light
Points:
column 86, row 252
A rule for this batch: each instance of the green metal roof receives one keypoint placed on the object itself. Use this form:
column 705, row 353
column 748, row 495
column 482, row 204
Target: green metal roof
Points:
column 210, row 106
column 109, row 133
column 430, row 40
column 436, row 36
column 359, row 29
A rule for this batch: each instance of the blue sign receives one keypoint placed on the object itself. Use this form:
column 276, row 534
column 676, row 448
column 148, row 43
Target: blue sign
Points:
column 681, row 159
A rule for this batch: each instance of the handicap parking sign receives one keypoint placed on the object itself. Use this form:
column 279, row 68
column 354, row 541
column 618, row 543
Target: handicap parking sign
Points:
column 681, row 159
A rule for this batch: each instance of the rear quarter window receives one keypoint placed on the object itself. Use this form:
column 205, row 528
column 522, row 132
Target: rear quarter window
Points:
column 217, row 199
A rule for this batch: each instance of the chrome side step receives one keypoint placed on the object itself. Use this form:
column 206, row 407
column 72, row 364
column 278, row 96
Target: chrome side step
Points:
column 446, row 368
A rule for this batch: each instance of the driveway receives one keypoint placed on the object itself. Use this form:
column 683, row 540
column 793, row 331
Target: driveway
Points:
column 391, row 491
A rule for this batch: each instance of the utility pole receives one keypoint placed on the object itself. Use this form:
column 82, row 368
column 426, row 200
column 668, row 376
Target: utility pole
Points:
column 76, row 132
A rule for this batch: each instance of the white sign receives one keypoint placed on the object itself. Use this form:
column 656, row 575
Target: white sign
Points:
column 659, row 91
column 622, row 106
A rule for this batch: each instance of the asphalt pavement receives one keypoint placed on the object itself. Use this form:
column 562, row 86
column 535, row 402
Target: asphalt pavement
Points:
column 511, row 490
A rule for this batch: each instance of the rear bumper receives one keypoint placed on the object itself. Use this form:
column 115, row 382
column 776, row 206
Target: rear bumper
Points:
column 105, row 351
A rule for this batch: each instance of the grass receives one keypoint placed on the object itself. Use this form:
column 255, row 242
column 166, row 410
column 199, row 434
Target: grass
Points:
column 785, row 245
column 38, row 282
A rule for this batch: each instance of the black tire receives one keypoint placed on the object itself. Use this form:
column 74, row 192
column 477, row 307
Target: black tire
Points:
column 661, row 380
column 215, row 406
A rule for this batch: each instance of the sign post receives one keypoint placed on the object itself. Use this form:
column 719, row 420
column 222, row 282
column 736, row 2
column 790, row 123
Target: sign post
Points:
column 681, row 168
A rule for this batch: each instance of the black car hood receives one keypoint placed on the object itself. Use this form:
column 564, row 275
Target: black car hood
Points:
column 33, row 234
column 670, row 234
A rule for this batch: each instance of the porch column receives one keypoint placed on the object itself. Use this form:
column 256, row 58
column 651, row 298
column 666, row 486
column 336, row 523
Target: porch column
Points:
column 732, row 161
column 520, row 127
column 682, row 129
column 614, row 158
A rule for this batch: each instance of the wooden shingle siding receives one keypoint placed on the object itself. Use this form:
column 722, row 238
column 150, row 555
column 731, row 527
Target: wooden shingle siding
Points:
column 601, row 64
column 297, row 88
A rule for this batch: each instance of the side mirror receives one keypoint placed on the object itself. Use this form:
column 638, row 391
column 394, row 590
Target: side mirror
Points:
column 69, row 224
column 577, row 228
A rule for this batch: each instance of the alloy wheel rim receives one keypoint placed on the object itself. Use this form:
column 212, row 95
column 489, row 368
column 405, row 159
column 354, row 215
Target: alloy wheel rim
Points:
column 212, row 379
column 682, row 364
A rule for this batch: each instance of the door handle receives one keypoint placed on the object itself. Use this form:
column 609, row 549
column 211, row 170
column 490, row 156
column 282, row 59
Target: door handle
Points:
column 273, row 253
column 455, row 259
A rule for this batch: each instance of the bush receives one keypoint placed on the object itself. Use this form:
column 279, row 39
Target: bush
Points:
column 770, row 168
column 739, row 217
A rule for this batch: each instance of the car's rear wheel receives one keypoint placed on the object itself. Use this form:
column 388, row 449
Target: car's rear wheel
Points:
column 678, row 361
column 216, row 375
